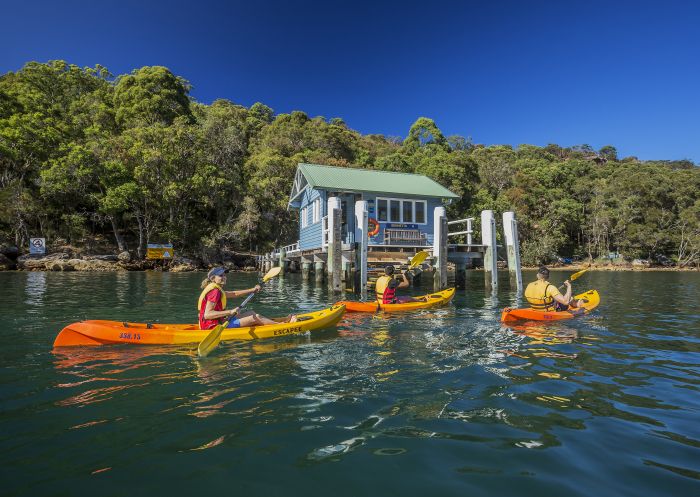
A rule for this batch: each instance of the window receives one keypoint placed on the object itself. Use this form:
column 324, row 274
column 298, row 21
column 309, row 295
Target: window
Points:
column 393, row 210
column 382, row 211
column 407, row 211
column 420, row 212
column 316, row 211
column 304, row 217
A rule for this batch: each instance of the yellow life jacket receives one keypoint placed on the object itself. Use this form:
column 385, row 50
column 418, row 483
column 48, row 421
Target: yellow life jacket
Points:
column 382, row 283
column 536, row 294
column 207, row 289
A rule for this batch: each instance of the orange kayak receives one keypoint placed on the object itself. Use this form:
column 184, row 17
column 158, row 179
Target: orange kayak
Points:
column 436, row 299
column 527, row 313
column 98, row 332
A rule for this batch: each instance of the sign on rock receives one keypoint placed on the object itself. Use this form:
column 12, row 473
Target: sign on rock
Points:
column 37, row 246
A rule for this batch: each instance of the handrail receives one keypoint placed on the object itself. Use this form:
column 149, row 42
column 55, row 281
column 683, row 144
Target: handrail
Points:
column 467, row 232
column 457, row 221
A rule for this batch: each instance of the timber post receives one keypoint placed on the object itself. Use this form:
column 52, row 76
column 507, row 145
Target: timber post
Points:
column 440, row 248
column 361, row 217
column 335, row 245
column 305, row 268
column 283, row 261
column 319, row 269
column 510, row 230
column 488, row 240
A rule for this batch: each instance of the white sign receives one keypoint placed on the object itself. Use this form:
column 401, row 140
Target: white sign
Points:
column 37, row 246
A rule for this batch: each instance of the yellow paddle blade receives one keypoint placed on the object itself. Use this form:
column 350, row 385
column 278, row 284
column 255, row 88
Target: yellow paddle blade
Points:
column 272, row 273
column 211, row 341
column 576, row 275
column 418, row 259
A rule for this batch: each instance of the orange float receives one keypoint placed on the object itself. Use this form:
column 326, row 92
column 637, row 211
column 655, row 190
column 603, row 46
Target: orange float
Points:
column 372, row 227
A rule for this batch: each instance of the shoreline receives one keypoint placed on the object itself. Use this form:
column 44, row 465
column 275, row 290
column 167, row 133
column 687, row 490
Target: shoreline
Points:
column 630, row 268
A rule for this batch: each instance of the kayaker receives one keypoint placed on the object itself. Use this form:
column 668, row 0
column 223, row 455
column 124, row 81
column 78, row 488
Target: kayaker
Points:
column 387, row 285
column 212, row 304
column 543, row 296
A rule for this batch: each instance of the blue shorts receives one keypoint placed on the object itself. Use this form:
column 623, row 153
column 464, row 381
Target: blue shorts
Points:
column 234, row 323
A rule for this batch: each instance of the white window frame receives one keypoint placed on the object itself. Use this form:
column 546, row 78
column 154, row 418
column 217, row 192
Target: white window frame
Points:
column 304, row 217
column 401, row 202
column 316, row 211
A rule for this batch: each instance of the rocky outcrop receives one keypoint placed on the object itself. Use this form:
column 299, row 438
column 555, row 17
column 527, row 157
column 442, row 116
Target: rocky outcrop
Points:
column 6, row 263
column 63, row 262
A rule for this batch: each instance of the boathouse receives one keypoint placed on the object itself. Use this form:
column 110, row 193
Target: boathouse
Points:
column 400, row 205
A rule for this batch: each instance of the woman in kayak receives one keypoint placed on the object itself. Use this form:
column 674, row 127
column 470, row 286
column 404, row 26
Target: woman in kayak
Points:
column 543, row 296
column 387, row 285
column 212, row 304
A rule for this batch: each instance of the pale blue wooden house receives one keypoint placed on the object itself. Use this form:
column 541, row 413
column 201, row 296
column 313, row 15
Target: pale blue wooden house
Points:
column 400, row 205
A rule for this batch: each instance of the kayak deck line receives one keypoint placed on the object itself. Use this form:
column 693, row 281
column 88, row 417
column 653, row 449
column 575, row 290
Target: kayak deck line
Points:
column 101, row 332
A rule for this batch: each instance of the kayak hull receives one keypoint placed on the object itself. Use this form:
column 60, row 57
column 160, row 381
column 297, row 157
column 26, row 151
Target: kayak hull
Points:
column 509, row 315
column 436, row 299
column 99, row 332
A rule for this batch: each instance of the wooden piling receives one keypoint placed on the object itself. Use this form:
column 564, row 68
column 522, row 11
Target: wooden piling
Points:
column 283, row 261
column 488, row 240
column 335, row 245
column 361, row 217
column 510, row 230
column 319, row 270
column 440, row 248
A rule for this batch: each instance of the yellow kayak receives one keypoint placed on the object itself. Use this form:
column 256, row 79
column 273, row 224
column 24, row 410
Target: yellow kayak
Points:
column 96, row 332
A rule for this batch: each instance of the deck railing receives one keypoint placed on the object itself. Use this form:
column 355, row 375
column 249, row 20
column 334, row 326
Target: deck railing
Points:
column 469, row 231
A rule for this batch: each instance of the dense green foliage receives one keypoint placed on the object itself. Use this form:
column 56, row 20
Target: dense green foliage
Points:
column 82, row 152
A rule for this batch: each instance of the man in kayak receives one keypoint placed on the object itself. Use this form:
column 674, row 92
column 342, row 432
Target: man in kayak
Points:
column 387, row 285
column 543, row 296
column 212, row 304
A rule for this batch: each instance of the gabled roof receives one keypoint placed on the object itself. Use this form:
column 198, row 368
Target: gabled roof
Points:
column 366, row 180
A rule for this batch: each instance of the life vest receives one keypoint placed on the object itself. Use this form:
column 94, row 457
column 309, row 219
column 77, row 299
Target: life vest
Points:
column 207, row 289
column 536, row 295
column 385, row 295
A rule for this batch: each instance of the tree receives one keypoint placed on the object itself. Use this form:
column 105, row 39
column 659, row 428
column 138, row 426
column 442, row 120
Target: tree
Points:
column 151, row 95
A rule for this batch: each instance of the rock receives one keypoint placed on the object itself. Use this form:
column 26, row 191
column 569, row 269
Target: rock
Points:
column 107, row 258
column 249, row 268
column 124, row 256
column 94, row 265
column 31, row 263
column 57, row 256
column 182, row 268
column 61, row 265
column 6, row 263
column 9, row 251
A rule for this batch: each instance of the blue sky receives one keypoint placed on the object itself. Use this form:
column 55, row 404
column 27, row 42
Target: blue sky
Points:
column 625, row 73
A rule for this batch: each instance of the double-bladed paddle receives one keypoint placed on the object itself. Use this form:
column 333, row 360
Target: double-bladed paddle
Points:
column 418, row 259
column 576, row 276
column 211, row 341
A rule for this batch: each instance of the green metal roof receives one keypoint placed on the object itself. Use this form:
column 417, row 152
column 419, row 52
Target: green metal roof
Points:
column 366, row 180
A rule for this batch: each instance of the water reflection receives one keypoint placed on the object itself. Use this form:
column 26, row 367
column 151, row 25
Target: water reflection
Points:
column 35, row 288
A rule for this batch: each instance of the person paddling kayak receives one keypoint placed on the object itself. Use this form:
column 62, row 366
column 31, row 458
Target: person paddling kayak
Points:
column 543, row 296
column 212, row 304
column 387, row 285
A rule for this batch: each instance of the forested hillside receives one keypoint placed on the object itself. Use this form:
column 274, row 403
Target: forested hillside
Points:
column 84, row 153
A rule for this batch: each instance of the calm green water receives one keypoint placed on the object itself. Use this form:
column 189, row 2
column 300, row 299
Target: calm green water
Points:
column 444, row 402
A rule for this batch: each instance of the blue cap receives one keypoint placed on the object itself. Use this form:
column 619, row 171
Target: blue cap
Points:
column 217, row 271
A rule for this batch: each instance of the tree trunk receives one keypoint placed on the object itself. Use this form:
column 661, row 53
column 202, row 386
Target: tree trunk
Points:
column 141, row 251
column 120, row 241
